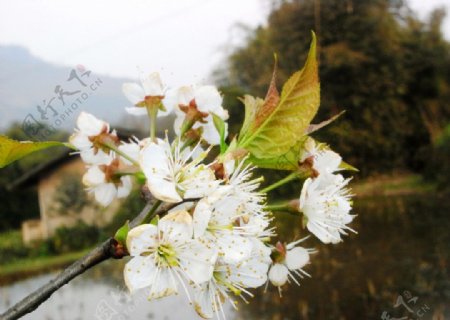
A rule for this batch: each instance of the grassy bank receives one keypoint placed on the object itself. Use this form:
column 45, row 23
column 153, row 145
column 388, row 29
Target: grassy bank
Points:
column 26, row 267
column 399, row 184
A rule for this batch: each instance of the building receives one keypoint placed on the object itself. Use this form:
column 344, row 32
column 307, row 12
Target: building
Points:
column 62, row 198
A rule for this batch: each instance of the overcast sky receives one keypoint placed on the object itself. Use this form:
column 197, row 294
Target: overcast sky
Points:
column 184, row 40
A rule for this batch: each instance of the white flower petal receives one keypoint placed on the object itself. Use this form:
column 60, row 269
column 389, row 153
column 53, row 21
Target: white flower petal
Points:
column 197, row 259
column 176, row 226
column 105, row 193
column 139, row 272
column 141, row 238
column 93, row 177
column 134, row 92
column 170, row 103
column 261, row 251
column 199, row 182
column 165, row 284
column 178, row 123
column 80, row 141
column 210, row 133
column 207, row 98
column 90, row 156
column 202, row 215
column 324, row 235
column 163, row 190
column 203, row 303
column 234, row 249
column 90, row 125
column 185, row 95
column 304, row 193
column 278, row 274
column 152, row 84
column 132, row 150
column 229, row 166
column 124, row 189
column 155, row 164
column 250, row 274
column 297, row 258
column 327, row 161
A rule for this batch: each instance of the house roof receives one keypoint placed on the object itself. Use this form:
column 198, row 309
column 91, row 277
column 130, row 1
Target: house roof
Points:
column 32, row 177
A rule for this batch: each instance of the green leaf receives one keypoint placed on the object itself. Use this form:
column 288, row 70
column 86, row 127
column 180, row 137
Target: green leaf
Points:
column 251, row 104
column 221, row 128
column 12, row 150
column 314, row 127
column 288, row 161
column 278, row 128
column 140, row 177
column 122, row 233
column 345, row 166
column 155, row 220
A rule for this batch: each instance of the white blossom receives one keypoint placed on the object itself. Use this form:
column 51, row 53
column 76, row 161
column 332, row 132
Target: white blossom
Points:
column 150, row 91
column 325, row 202
column 171, row 174
column 88, row 137
column 207, row 100
column 289, row 262
column 106, row 188
column 325, row 161
column 164, row 256
column 231, row 216
column 232, row 280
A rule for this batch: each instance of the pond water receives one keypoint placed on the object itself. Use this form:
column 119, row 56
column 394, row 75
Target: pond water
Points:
column 396, row 267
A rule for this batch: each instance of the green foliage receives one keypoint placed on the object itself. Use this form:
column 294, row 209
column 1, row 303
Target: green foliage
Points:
column 12, row 247
column 274, row 126
column 12, row 150
column 388, row 70
column 438, row 166
column 122, row 233
column 80, row 236
column 221, row 128
column 286, row 161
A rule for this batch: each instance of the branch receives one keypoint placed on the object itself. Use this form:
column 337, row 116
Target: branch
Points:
column 33, row 300
column 102, row 252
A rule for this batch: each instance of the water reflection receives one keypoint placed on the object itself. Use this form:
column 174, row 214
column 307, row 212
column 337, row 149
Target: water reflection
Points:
column 402, row 248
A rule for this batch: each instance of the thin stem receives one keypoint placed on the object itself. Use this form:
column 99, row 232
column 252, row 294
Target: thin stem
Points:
column 152, row 114
column 279, row 207
column 187, row 124
column 290, row 207
column 152, row 213
column 116, row 150
column 294, row 175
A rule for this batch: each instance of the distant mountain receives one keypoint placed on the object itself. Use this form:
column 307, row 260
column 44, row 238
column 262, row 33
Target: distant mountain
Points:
column 27, row 82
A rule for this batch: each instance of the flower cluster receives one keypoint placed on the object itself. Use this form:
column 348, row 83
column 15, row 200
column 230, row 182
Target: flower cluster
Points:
column 100, row 150
column 215, row 243
column 325, row 198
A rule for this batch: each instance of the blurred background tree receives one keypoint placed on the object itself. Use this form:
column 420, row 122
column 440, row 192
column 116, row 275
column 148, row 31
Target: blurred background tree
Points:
column 378, row 61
